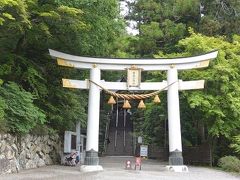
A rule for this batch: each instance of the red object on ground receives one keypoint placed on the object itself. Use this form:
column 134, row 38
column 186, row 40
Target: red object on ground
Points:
column 138, row 162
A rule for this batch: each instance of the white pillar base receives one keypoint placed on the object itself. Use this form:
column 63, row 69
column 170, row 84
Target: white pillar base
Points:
column 177, row 168
column 85, row 168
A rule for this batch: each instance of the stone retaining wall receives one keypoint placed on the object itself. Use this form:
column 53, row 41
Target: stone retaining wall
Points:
column 29, row 151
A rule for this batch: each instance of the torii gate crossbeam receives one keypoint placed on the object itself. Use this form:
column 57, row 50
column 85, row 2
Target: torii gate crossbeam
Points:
column 170, row 65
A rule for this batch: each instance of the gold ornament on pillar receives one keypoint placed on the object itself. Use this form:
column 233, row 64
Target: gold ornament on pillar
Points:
column 156, row 99
column 141, row 105
column 126, row 105
column 111, row 100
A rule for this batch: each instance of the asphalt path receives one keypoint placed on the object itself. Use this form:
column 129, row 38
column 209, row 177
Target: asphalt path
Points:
column 114, row 169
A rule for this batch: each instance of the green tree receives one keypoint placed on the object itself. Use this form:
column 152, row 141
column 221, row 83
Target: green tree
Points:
column 220, row 17
column 217, row 105
column 30, row 28
column 10, row 9
column 171, row 19
column 20, row 114
column 211, row 114
column 104, row 26
column 162, row 24
column 236, row 144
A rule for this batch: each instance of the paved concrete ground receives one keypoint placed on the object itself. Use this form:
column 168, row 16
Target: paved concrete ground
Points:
column 114, row 170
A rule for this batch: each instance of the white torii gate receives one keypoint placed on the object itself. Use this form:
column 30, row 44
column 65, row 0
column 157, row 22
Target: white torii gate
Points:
column 174, row 85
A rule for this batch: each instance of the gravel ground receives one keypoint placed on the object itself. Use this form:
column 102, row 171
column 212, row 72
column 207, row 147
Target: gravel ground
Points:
column 114, row 170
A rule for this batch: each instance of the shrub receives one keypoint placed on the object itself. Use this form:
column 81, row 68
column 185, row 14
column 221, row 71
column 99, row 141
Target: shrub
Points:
column 229, row 163
column 236, row 144
column 18, row 113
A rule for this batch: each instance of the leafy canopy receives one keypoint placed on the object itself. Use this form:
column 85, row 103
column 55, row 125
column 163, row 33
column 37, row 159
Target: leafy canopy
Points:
column 20, row 114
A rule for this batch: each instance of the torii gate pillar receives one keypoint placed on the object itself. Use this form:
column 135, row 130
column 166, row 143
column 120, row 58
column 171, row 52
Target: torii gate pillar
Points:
column 174, row 129
column 91, row 160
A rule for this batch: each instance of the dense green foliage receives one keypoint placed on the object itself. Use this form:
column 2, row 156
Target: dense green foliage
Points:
column 20, row 113
column 219, row 102
column 163, row 23
column 229, row 163
column 236, row 144
column 220, row 17
column 27, row 30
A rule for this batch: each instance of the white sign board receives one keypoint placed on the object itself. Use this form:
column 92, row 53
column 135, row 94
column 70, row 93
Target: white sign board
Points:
column 67, row 141
column 134, row 77
column 143, row 150
column 140, row 140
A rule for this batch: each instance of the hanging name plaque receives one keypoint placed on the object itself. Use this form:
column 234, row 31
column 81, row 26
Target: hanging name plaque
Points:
column 133, row 76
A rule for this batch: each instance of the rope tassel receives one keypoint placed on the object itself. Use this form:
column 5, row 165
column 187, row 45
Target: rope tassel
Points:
column 111, row 100
column 156, row 99
column 126, row 105
column 141, row 105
